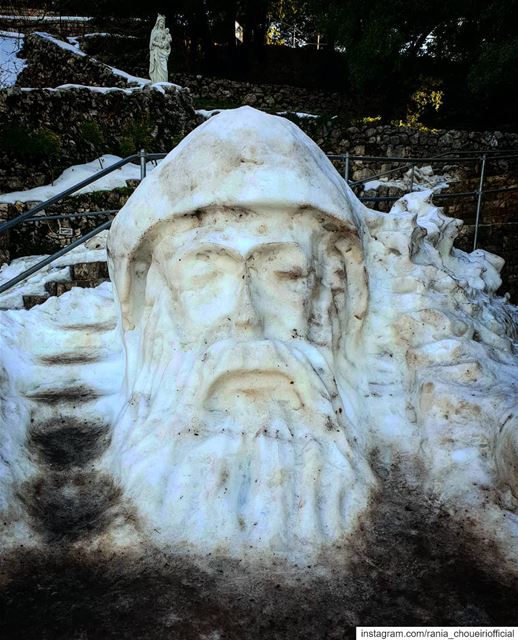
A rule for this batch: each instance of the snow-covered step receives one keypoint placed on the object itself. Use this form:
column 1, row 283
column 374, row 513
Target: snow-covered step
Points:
column 85, row 275
column 85, row 266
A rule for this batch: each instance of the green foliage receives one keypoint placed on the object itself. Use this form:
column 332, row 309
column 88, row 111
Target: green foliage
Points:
column 495, row 69
column 428, row 96
column 372, row 120
column 92, row 133
column 46, row 143
column 127, row 146
column 174, row 141
column 471, row 46
column 22, row 141
column 136, row 135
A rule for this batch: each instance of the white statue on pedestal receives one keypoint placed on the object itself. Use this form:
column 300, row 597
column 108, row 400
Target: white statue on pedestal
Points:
column 159, row 50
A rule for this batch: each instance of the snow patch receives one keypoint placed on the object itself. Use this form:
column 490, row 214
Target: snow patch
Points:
column 10, row 64
column 47, row 18
column 74, row 41
column 208, row 113
column 299, row 114
column 93, row 250
column 78, row 173
column 60, row 43
column 422, row 180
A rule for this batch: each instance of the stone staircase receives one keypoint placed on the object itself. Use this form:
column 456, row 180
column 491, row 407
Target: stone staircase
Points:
column 82, row 274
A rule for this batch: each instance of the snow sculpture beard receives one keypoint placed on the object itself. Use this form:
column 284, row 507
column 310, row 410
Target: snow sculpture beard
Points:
column 234, row 437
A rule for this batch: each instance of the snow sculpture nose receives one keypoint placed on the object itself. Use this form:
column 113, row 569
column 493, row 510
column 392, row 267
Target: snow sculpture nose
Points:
column 246, row 318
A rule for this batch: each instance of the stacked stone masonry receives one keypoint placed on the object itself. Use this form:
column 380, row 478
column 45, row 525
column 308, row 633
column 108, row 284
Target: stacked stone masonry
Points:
column 83, row 124
column 262, row 96
column 50, row 65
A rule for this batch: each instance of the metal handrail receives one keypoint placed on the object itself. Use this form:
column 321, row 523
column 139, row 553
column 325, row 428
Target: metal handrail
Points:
column 416, row 160
column 30, row 215
column 142, row 156
column 70, row 216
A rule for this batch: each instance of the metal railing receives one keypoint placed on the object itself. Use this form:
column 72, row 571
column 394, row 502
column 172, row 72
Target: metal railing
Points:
column 30, row 216
column 411, row 163
column 143, row 157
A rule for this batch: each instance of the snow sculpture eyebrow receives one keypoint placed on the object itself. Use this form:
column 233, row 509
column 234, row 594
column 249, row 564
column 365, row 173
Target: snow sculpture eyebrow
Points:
column 208, row 249
column 217, row 248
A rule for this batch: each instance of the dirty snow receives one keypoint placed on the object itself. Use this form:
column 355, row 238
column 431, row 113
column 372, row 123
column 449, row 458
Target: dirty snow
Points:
column 424, row 179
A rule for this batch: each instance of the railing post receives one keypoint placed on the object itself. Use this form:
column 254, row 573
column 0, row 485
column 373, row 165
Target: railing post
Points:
column 142, row 154
column 346, row 168
column 479, row 199
column 412, row 178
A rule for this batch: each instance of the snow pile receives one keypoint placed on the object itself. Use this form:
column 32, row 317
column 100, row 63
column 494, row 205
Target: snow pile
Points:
column 10, row 64
column 422, row 180
column 78, row 173
column 33, row 343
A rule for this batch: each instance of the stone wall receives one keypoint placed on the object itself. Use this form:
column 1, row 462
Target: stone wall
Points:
column 51, row 62
column 262, row 96
column 374, row 139
column 78, row 124
column 46, row 127
column 44, row 131
column 498, row 229
column 56, row 24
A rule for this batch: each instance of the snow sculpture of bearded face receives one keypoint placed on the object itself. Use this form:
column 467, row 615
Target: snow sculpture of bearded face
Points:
column 235, row 435
column 279, row 335
column 242, row 437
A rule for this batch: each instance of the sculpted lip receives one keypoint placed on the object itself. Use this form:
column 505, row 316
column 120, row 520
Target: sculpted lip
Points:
column 264, row 371
column 255, row 385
